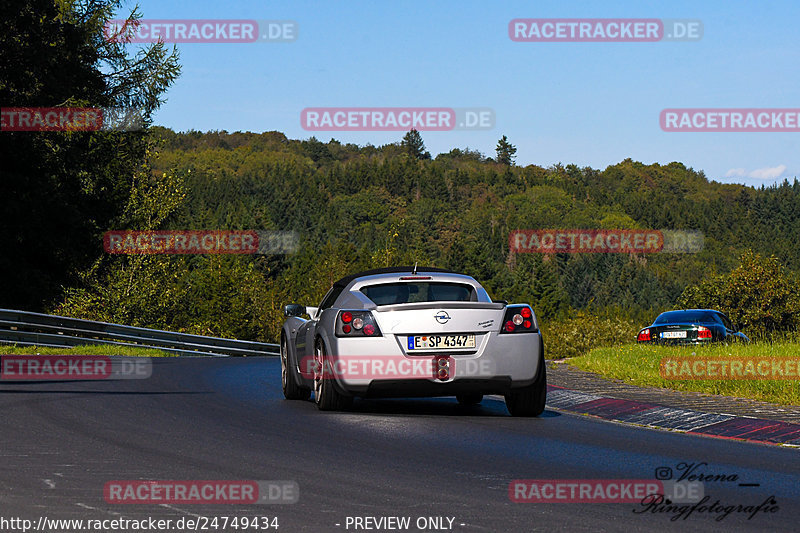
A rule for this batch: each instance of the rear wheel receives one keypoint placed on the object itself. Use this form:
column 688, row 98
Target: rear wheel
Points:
column 470, row 398
column 291, row 391
column 530, row 400
column 325, row 394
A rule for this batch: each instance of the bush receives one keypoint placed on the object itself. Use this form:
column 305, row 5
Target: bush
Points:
column 583, row 332
column 758, row 296
column 221, row 296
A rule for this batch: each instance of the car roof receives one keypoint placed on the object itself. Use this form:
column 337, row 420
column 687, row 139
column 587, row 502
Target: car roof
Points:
column 692, row 311
column 676, row 315
column 389, row 270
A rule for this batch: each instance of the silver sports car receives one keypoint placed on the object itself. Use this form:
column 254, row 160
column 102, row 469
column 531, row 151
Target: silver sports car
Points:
column 407, row 331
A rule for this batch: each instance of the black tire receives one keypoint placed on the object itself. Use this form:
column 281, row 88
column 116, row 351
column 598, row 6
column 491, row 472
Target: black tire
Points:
column 469, row 398
column 326, row 396
column 530, row 400
column 291, row 390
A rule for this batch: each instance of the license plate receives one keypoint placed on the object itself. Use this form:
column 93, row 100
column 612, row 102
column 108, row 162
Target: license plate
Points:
column 673, row 335
column 440, row 342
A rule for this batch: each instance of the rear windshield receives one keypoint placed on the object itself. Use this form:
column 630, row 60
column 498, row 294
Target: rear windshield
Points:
column 677, row 317
column 401, row 293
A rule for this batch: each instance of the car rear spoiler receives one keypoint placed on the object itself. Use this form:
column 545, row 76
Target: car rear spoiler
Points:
column 496, row 306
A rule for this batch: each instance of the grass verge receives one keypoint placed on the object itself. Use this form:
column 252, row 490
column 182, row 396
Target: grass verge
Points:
column 641, row 365
column 88, row 349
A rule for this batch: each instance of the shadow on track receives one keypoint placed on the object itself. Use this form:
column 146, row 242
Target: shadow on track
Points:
column 489, row 407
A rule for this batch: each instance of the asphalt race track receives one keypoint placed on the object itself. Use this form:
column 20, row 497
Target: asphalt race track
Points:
column 226, row 419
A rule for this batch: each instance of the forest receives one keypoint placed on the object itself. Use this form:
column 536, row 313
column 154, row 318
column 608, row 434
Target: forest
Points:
column 358, row 207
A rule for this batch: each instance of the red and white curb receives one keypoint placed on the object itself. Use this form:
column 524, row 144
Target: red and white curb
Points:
column 671, row 418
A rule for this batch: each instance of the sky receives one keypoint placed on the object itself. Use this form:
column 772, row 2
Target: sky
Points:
column 585, row 103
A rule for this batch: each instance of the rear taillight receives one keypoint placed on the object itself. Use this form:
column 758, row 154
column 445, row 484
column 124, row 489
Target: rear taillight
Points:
column 356, row 324
column 519, row 319
column 703, row 332
column 644, row 335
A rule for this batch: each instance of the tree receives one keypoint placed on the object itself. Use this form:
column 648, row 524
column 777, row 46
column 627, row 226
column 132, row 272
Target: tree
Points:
column 412, row 142
column 60, row 191
column 758, row 295
column 505, row 151
column 317, row 150
column 456, row 154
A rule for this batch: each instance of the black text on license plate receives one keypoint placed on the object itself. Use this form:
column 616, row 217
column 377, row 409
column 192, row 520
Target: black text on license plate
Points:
column 440, row 342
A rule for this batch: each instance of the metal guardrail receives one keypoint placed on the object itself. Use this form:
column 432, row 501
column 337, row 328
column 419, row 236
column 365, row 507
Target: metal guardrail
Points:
column 36, row 329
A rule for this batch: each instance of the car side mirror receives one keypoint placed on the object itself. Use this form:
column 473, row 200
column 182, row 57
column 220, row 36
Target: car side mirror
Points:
column 294, row 310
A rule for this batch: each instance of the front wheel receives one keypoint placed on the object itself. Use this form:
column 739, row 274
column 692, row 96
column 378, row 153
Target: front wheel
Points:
column 530, row 400
column 291, row 391
column 326, row 396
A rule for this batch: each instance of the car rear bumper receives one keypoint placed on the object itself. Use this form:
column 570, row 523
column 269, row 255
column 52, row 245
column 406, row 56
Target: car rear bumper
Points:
column 680, row 342
column 498, row 364
column 428, row 388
